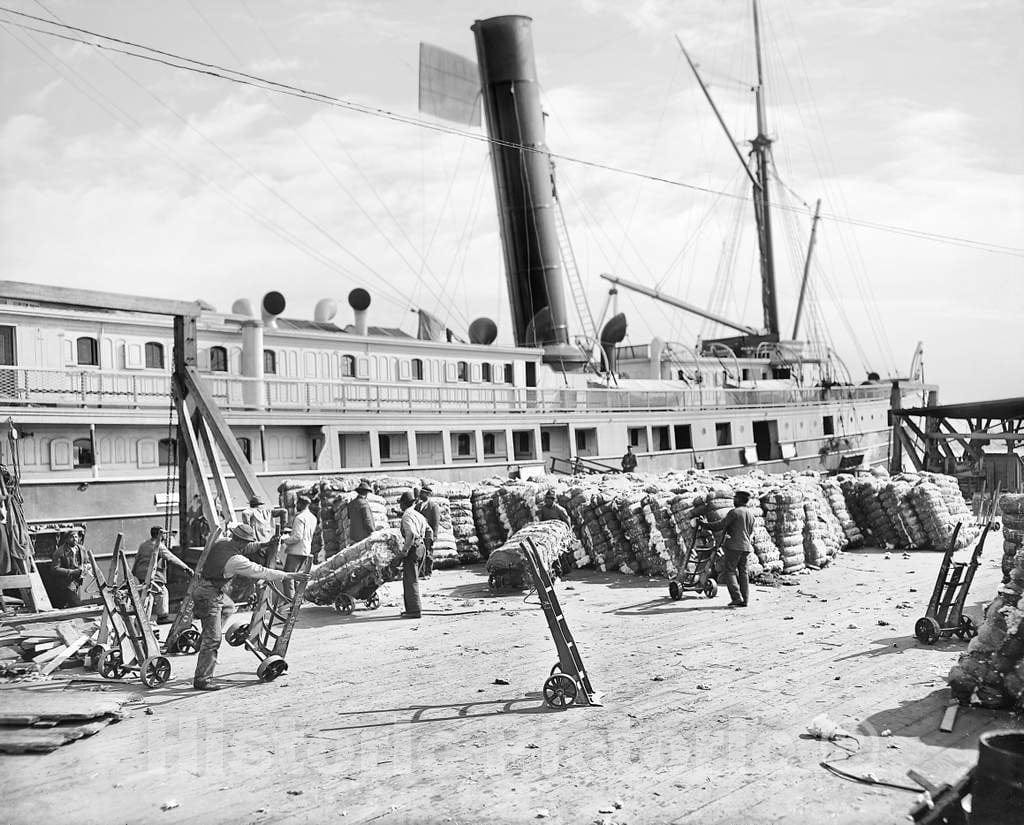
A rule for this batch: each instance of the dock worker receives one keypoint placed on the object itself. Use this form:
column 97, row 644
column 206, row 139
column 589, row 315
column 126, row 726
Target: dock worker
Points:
column 226, row 559
column 360, row 516
column 67, row 566
column 629, row 460
column 428, row 508
column 738, row 527
column 260, row 518
column 298, row 543
column 415, row 531
column 155, row 545
column 551, row 510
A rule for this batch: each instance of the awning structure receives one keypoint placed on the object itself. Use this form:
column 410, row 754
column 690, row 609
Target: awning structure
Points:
column 1002, row 409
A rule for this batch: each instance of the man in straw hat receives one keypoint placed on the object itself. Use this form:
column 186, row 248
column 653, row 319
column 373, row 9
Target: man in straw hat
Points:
column 298, row 543
column 226, row 559
column 360, row 516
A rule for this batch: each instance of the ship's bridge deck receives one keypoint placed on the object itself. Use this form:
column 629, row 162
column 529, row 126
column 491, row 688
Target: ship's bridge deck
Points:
column 78, row 388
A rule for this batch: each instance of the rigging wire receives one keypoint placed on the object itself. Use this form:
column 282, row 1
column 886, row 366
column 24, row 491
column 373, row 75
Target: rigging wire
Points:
column 242, row 78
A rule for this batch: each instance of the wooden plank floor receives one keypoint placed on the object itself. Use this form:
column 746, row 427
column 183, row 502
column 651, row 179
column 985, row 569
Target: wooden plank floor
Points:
column 387, row 721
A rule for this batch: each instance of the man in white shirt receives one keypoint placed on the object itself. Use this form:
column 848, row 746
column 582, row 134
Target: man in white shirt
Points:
column 260, row 518
column 225, row 560
column 299, row 543
column 415, row 532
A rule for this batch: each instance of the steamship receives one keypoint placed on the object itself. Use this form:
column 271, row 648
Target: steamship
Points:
column 86, row 412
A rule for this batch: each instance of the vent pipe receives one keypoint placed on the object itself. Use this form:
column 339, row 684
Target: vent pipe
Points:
column 273, row 305
column 359, row 300
column 326, row 309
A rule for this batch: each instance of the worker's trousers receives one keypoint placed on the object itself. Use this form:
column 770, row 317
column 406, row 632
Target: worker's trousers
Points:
column 291, row 564
column 734, row 575
column 411, row 583
column 161, row 600
column 212, row 608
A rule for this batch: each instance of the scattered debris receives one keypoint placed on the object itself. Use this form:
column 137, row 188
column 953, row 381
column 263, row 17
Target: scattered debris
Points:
column 822, row 727
column 541, row 813
column 657, row 678
column 883, row 623
column 886, row 732
column 169, row 805
column 703, row 686
column 501, row 681
column 294, row 793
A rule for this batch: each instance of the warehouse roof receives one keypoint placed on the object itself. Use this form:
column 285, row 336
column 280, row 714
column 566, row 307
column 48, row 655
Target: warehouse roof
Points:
column 1002, row 408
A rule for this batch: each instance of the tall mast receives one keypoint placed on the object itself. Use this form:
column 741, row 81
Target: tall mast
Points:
column 761, row 146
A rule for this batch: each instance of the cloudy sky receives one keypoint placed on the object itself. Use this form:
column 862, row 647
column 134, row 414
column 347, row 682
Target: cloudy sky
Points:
column 129, row 176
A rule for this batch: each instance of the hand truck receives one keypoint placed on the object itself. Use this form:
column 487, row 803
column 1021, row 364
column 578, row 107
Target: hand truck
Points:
column 183, row 635
column 269, row 630
column 944, row 615
column 568, row 684
column 134, row 646
column 697, row 570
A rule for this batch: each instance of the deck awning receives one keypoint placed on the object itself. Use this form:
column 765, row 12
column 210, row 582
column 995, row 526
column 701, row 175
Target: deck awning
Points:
column 1001, row 409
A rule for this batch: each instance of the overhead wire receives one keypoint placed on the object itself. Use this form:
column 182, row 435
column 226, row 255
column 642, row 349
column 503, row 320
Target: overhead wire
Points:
column 236, row 76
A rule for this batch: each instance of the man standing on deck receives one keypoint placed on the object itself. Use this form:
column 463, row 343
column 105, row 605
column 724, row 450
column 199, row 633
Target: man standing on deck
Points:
column 158, row 586
column 432, row 513
column 260, row 518
column 738, row 527
column 226, row 559
column 360, row 516
column 299, row 543
column 551, row 510
column 415, row 532
column 628, row 460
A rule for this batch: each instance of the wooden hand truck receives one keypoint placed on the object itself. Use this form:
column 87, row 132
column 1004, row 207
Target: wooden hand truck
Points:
column 269, row 631
column 183, row 636
column 697, row 569
column 568, row 684
column 133, row 645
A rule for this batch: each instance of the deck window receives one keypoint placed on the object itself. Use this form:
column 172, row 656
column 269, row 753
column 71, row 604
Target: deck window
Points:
column 246, row 446
column 723, row 434
column 464, row 445
column 661, row 438
column 545, row 441
column 684, row 437
column 828, row 425
column 348, row 366
column 218, row 359
column 83, row 453
column 88, row 352
column 417, row 369
column 485, row 372
column 154, row 355
column 637, row 438
column 489, row 444
column 7, row 346
column 509, row 374
column 269, row 362
column 522, row 445
column 167, row 452
column 463, row 371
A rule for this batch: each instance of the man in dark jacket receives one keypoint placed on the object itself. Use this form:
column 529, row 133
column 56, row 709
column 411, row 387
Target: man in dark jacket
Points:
column 226, row 559
column 432, row 513
column 551, row 510
column 158, row 585
column 68, row 570
column 628, row 460
column 360, row 516
column 738, row 527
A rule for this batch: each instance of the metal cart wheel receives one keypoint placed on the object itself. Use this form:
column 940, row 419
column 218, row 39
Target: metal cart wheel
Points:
column 560, row 691
column 968, row 629
column 711, row 588
column 373, row 602
column 493, row 582
column 927, row 630
column 270, row 668
column 187, row 641
column 674, row 590
column 237, row 635
column 344, row 604
column 111, row 665
column 154, row 671
column 556, row 668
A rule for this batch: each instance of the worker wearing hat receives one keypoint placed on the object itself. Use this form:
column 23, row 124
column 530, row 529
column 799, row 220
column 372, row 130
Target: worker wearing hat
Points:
column 551, row 510
column 738, row 528
column 360, row 516
column 432, row 513
column 260, row 518
column 144, row 557
column 415, row 532
column 298, row 543
column 68, row 568
column 226, row 559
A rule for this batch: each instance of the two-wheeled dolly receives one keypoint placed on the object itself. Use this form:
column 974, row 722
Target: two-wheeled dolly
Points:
column 132, row 645
column 568, row 684
column 270, row 629
column 945, row 613
column 697, row 570
column 183, row 635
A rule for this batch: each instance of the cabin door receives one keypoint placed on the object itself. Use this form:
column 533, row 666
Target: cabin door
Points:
column 766, row 439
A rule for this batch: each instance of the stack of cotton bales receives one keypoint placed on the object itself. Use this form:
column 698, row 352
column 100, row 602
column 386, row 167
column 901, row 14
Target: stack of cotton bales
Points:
column 445, row 550
column 833, row 492
column 620, row 555
column 785, row 518
column 687, row 506
column 664, row 540
column 489, row 529
column 957, row 506
column 822, row 533
column 629, row 506
column 554, row 543
column 334, row 493
column 1011, row 505
column 390, row 488
column 517, row 505
column 868, row 494
column 459, row 495
column 896, row 500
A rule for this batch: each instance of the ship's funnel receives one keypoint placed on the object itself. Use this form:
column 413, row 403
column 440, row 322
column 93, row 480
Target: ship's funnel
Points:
column 523, row 186
column 483, row 331
column 359, row 300
column 611, row 336
column 243, row 306
column 273, row 305
column 326, row 309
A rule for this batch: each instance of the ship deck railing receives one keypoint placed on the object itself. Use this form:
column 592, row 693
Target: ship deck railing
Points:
column 78, row 388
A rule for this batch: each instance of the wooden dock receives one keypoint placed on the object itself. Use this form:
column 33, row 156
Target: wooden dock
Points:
column 381, row 720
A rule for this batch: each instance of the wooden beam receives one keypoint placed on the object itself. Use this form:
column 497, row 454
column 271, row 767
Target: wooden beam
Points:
column 191, row 447
column 92, row 299
column 200, row 396
column 952, row 430
column 908, row 445
column 975, row 436
column 227, row 509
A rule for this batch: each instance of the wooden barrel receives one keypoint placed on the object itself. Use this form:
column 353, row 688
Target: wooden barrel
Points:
column 997, row 792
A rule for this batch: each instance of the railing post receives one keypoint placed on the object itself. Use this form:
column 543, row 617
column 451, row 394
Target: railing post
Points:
column 135, row 390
